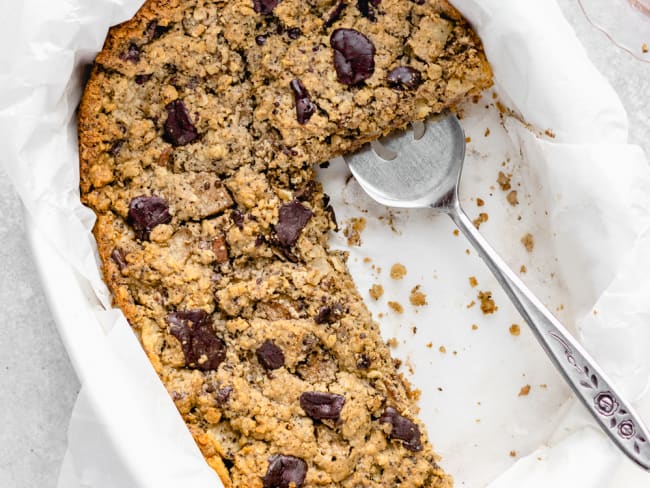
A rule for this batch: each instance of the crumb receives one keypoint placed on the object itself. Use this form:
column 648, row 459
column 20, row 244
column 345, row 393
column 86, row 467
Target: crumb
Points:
column 376, row 291
column 512, row 453
column 367, row 260
column 550, row 133
column 429, row 345
column 353, row 230
column 482, row 217
column 474, row 327
column 397, row 271
column 487, row 303
column 456, row 232
column 442, row 349
column 501, row 108
column 478, row 421
column 543, row 385
column 504, row 181
column 381, row 315
column 525, row 390
column 512, row 198
column 523, row 269
column 439, row 389
column 487, row 132
column 468, row 140
column 415, row 394
column 396, row 306
column 644, row 48
column 471, row 304
column 455, row 353
column 473, row 282
column 417, row 297
column 392, row 342
column 480, row 202
column 414, row 330
column 494, row 95
column 515, row 330
column 528, row 242
column 467, row 251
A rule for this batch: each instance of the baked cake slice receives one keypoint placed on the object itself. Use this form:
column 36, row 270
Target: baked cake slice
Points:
column 198, row 130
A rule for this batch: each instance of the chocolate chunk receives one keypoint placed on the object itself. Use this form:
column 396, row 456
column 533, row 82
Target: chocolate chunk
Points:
column 223, row 394
column 154, row 31
column 220, row 249
column 285, row 472
column 270, row 356
column 145, row 213
column 293, row 218
column 336, row 13
column 142, row 79
column 265, row 7
column 404, row 77
column 402, row 429
column 322, row 405
column 238, row 218
column 294, row 33
column 364, row 362
column 179, row 129
column 119, row 258
column 367, row 8
column 202, row 348
column 306, row 191
column 132, row 54
column 305, row 108
column 116, row 147
column 329, row 314
column 354, row 56
column 260, row 40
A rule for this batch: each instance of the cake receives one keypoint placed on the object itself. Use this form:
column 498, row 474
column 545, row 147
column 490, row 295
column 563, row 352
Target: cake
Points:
column 198, row 131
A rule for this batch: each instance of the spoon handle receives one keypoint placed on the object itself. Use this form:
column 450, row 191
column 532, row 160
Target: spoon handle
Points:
column 615, row 416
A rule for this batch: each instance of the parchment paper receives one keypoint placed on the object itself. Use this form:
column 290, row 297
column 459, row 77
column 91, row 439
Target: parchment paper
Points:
column 583, row 194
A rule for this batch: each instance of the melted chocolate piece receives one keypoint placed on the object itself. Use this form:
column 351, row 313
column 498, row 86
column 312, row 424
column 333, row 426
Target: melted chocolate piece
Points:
column 293, row 218
column 145, row 213
column 116, row 147
column 119, row 258
column 354, row 56
column 270, row 356
column 202, row 348
column 155, row 31
column 329, row 314
column 238, row 218
column 294, row 33
column 364, row 362
column 305, row 108
column 402, row 429
column 265, row 7
column 223, row 394
column 285, row 470
column 336, row 13
column 132, row 54
column 367, row 8
column 179, row 129
column 260, row 40
column 404, row 77
column 322, row 405
column 142, row 79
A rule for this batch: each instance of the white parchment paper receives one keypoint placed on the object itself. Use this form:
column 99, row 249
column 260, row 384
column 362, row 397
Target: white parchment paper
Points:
column 584, row 196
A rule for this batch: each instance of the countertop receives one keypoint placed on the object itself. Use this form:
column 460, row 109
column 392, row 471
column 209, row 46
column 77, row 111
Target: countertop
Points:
column 38, row 384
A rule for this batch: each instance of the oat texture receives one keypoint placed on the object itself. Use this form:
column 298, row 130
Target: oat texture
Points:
column 198, row 130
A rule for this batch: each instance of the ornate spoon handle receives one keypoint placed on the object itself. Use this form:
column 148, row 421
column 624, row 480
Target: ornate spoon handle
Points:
column 615, row 416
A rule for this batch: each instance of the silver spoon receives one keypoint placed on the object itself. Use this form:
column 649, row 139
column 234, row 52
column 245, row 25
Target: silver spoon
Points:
column 424, row 172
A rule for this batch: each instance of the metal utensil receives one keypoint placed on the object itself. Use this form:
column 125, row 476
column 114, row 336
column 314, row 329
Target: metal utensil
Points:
column 423, row 171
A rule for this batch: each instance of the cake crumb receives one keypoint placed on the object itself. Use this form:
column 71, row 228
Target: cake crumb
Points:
column 523, row 269
column 474, row 327
column 504, row 181
column 392, row 342
column 442, row 349
column 396, row 306
column 528, row 242
column 480, row 202
column 487, row 303
column 417, row 297
column 353, row 230
column 644, row 48
column 543, row 385
column 467, row 251
column 429, row 344
column 397, row 271
column 473, row 282
column 468, row 140
column 512, row 198
column 525, row 390
column 471, row 304
column 456, row 232
column 367, row 260
column 515, row 330
column 487, row 132
column 512, row 453
column 550, row 133
column 414, row 330
column 376, row 291
column 482, row 218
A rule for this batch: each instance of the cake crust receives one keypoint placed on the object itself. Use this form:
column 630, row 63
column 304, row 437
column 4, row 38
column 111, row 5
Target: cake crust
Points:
column 198, row 130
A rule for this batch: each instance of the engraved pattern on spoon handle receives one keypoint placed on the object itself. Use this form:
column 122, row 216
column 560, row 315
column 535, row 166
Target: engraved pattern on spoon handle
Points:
column 591, row 385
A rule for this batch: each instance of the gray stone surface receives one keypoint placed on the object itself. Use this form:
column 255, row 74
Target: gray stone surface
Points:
column 37, row 382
